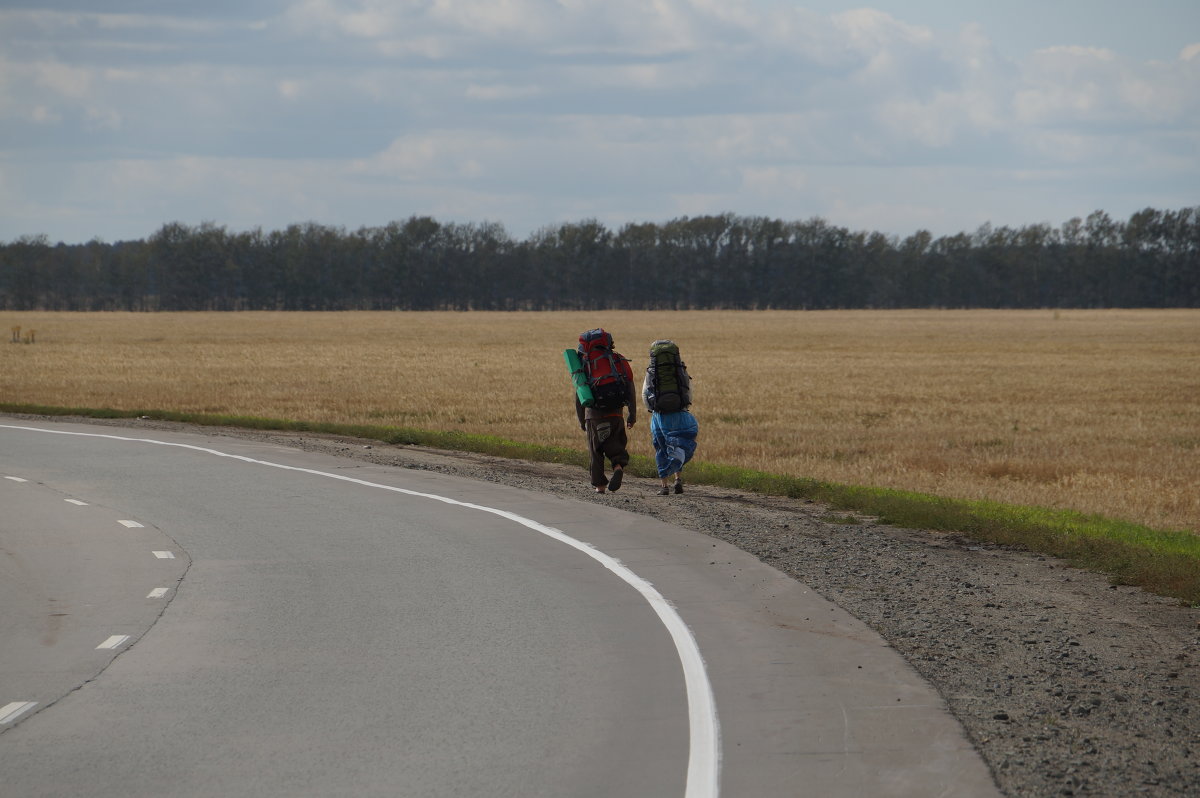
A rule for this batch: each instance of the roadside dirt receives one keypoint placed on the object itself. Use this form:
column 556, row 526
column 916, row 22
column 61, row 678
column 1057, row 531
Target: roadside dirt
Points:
column 1066, row 684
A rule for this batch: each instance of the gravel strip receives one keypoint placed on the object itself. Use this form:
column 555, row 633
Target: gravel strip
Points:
column 1066, row 684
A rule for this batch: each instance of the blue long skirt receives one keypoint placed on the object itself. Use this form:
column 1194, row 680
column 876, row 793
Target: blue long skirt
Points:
column 674, row 439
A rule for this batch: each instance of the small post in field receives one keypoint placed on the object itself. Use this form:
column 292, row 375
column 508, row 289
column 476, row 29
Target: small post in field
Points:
column 16, row 332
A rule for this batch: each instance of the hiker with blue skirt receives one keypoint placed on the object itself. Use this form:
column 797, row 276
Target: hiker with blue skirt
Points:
column 667, row 392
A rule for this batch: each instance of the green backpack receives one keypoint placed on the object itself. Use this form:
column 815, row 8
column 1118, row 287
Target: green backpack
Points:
column 669, row 388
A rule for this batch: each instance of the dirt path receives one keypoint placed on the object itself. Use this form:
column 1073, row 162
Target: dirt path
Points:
column 1066, row 684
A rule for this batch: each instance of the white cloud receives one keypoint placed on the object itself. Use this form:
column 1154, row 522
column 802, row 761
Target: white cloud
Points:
column 290, row 89
column 441, row 157
column 120, row 75
column 772, row 181
column 45, row 116
column 870, row 31
column 1071, row 54
column 1066, row 148
column 933, row 124
column 42, row 22
column 498, row 18
column 501, row 92
column 447, row 29
column 103, row 118
column 1077, row 85
column 60, row 78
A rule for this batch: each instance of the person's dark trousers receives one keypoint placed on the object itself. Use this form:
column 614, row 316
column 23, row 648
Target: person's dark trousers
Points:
column 606, row 439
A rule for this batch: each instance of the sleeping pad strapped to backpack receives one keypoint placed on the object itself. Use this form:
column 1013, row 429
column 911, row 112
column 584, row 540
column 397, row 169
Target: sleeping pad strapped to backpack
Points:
column 583, row 389
column 608, row 373
column 669, row 388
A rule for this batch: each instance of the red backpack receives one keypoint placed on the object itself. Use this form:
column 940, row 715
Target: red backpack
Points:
column 608, row 373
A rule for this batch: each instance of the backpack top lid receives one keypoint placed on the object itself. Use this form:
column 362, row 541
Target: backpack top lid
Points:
column 593, row 338
column 663, row 345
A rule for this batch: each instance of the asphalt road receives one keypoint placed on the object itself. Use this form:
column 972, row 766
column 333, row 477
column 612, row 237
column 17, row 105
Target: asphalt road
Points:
column 203, row 616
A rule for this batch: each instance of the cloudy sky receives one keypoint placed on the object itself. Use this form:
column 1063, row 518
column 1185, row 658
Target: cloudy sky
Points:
column 117, row 116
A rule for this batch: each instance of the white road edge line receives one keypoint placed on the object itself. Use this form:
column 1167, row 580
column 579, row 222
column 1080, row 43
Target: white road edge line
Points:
column 116, row 641
column 76, row 502
column 17, row 479
column 704, row 755
column 130, row 524
column 165, row 555
column 158, row 592
column 12, row 711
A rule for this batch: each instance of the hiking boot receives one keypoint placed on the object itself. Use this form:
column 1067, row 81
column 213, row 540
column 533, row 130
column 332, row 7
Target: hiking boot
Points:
column 679, row 486
column 664, row 491
column 615, row 482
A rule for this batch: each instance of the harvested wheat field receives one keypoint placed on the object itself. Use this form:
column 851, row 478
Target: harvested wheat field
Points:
column 1095, row 411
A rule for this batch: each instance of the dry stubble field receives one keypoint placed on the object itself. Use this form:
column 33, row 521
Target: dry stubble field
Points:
column 1097, row 411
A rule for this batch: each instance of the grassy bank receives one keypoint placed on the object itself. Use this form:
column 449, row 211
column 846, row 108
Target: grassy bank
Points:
column 1162, row 562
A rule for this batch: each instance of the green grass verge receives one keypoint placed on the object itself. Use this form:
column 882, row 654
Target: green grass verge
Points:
column 1163, row 562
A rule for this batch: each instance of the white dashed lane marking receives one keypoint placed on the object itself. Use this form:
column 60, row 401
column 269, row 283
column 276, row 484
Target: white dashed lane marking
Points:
column 12, row 711
column 116, row 641
column 15, row 709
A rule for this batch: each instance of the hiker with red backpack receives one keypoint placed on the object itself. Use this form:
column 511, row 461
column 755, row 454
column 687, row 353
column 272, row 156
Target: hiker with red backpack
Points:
column 608, row 380
column 667, row 391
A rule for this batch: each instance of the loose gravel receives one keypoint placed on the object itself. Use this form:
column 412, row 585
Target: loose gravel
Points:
column 1066, row 684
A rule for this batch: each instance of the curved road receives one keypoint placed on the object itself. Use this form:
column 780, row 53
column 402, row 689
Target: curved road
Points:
column 187, row 615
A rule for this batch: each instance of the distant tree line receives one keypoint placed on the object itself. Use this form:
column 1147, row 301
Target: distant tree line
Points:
column 725, row 261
